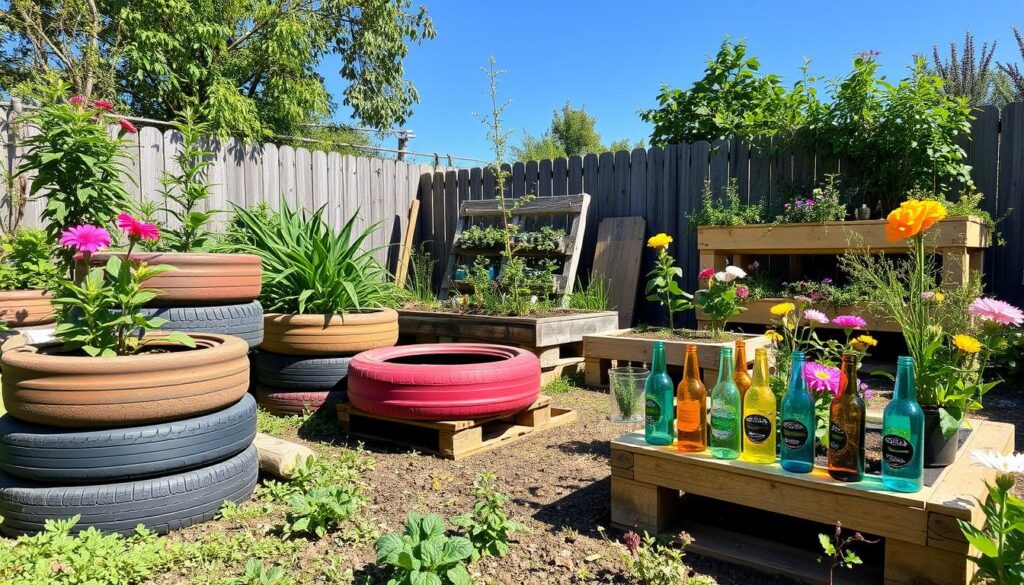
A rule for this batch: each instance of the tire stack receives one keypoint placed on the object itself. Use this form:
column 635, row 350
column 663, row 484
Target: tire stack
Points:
column 112, row 457
column 303, row 361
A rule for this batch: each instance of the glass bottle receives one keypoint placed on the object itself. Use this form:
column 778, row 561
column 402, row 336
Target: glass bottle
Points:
column 740, row 374
column 903, row 433
column 691, row 406
column 659, row 395
column 759, row 414
column 726, row 410
column 798, row 424
column 846, row 426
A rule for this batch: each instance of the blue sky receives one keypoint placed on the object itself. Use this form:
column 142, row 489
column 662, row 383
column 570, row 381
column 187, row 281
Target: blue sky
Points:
column 612, row 57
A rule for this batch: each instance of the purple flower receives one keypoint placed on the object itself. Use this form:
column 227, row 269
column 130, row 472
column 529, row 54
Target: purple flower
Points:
column 850, row 322
column 826, row 280
column 821, row 378
column 632, row 542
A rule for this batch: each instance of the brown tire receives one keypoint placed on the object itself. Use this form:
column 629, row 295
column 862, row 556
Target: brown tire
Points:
column 346, row 333
column 76, row 391
column 200, row 278
column 24, row 308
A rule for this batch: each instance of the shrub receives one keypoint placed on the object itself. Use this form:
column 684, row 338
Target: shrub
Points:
column 727, row 210
column 188, row 189
column 27, row 261
column 825, row 203
column 423, row 554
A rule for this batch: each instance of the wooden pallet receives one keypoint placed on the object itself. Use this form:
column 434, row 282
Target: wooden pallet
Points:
column 456, row 439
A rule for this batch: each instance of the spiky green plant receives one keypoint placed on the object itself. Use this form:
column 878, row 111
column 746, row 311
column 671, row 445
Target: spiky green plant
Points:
column 310, row 268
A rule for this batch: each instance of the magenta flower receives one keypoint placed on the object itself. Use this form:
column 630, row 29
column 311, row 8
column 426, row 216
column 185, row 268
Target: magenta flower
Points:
column 997, row 311
column 85, row 238
column 103, row 105
column 127, row 126
column 632, row 542
column 137, row 229
column 742, row 292
column 706, row 274
column 77, row 99
column 850, row 322
column 816, row 316
column 821, row 378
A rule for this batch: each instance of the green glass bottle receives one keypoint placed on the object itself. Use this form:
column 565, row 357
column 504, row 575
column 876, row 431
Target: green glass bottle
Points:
column 660, row 424
column 903, row 433
column 726, row 411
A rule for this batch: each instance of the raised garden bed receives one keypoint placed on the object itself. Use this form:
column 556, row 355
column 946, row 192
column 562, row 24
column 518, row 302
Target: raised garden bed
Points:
column 603, row 350
column 759, row 313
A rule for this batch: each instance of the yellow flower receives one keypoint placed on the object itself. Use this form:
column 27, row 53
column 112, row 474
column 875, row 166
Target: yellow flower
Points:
column 659, row 241
column 863, row 342
column 773, row 335
column 939, row 297
column 966, row 343
column 783, row 309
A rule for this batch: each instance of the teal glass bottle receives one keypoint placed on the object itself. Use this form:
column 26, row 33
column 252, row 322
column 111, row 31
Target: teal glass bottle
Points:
column 660, row 423
column 903, row 433
column 797, row 427
column 726, row 412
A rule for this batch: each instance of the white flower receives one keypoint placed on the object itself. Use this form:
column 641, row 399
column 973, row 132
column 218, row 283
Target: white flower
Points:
column 1013, row 463
column 725, row 276
column 736, row 271
column 816, row 316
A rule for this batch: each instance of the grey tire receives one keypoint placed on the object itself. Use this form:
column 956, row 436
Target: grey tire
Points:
column 161, row 504
column 244, row 320
column 301, row 373
column 64, row 456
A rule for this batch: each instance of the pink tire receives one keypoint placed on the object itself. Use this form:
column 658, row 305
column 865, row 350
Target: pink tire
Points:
column 290, row 403
column 444, row 381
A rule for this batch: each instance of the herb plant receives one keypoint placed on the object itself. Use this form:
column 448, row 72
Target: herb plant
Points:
column 824, row 204
column 188, row 189
column 423, row 554
column 321, row 510
column 27, row 261
column 727, row 210
column 488, row 526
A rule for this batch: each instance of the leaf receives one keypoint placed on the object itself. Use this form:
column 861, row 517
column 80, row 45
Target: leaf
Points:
column 432, row 526
column 457, row 548
column 420, row 578
column 458, row 575
column 387, row 548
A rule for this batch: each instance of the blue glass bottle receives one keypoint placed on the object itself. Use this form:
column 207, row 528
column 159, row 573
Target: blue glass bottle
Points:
column 660, row 423
column 903, row 433
column 797, row 413
column 726, row 412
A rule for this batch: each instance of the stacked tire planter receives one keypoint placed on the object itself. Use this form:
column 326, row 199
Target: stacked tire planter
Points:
column 160, row 439
column 303, row 361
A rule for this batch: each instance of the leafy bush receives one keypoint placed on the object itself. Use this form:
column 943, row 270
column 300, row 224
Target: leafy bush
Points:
column 824, row 204
column 596, row 295
column 318, row 472
column 310, row 268
column 188, row 189
column 727, row 210
column 424, row 555
column 55, row 557
column 488, row 526
column 27, row 261
column 321, row 510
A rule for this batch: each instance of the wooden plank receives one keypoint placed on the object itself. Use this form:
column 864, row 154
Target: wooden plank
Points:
column 334, row 212
column 760, row 171
column 657, row 221
column 171, row 152
column 303, row 179
column 518, row 181
column 319, row 191
column 538, row 206
column 759, row 313
column 353, row 199
column 402, row 270
column 637, row 198
column 476, row 183
column 617, row 259
column 545, row 178
column 589, row 184
column 286, row 173
column 253, row 170
column 560, row 179
column 271, row 184
column 621, row 197
column 739, row 168
column 151, row 166
column 376, row 206
column 983, row 156
column 215, row 175
column 718, row 167
column 1009, row 284
column 531, row 178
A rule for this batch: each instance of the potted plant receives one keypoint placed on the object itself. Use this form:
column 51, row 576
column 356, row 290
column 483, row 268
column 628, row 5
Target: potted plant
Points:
column 103, row 372
column 27, row 274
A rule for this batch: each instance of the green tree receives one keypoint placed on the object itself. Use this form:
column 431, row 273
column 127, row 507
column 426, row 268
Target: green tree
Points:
column 573, row 132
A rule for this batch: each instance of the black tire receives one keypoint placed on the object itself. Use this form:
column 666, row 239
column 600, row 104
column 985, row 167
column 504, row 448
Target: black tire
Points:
column 245, row 320
column 161, row 505
column 63, row 456
column 301, row 373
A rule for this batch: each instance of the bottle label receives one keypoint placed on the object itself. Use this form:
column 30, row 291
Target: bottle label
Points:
column 794, row 434
column 652, row 411
column 897, row 451
column 688, row 415
column 836, row 437
column 757, row 427
column 723, row 423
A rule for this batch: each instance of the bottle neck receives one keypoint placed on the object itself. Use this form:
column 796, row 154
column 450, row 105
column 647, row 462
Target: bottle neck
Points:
column 725, row 365
column 658, row 358
column 848, row 376
column 741, row 357
column 906, row 388
column 796, row 374
column 691, row 367
column 760, row 368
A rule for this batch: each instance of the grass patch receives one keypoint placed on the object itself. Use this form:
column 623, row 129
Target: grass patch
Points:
column 563, row 384
column 276, row 426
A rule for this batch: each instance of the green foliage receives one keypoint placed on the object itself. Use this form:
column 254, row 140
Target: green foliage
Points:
column 488, row 526
column 322, row 510
column 662, row 286
column 257, row 574
column 1010, row 362
column 237, row 232
column 481, row 237
column 729, row 209
column 27, row 261
column 720, row 297
column 563, row 384
column 276, row 426
column 825, row 204
column 837, row 550
column 318, row 473
column 825, row 292
column 423, row 555
column 596, row 295
column 964, row 75
column 310, row 268
column 546, row 239
column 101, row 314
column 55, row 557
column 1000, row 543
column 188, row 189
column 420, row 280
column 653, row 563
column 573, row 132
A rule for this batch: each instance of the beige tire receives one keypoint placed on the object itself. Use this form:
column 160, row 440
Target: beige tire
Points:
column 346, row 333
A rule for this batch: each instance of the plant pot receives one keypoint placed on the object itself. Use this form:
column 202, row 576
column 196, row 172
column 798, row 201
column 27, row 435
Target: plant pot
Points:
column 335, row 334
column 199, row 278
column 938, row 450
column 24, row 308
column 43, row 386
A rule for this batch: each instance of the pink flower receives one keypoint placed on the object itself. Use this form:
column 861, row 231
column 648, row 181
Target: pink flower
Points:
column 85, row 238
column 706, row 274
column 821, row 378
column 850, row 322
column 995, row 310
column 77, row 99
column 632, row 542
column 742, row 292
column 816, row 316
column 137, row 229
column 127, row 126
column 103, row 105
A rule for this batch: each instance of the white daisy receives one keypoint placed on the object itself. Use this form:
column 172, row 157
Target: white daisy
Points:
column 736, row 271
column 1013, row 463
column 725, row 276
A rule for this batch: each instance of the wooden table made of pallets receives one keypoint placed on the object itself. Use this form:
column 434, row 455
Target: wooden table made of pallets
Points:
column 923, row 544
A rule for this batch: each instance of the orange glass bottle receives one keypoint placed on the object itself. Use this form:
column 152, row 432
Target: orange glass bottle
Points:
column 741, row 376
column 846, row 426
column 691, row 406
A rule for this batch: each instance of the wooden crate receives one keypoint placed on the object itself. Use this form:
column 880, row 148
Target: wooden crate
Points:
column 454, row 439
column 605, row 350
column 922, row 540
column 759, row 313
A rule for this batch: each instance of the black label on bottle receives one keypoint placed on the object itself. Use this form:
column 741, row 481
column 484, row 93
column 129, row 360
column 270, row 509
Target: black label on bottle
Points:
column 757, row 428
column 794, row 434
column 652, row 411
column 836, row 437
column 897, row 451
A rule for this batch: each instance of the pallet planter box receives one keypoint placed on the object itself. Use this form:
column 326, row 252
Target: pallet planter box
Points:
column 555, row 339
column 923, row 544
column 602, row 350
column 759, row 313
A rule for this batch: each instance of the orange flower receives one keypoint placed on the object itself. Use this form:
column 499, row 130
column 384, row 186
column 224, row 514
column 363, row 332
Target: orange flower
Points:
column 913, row 217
